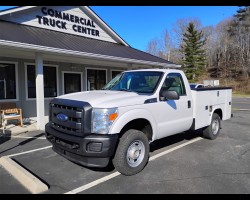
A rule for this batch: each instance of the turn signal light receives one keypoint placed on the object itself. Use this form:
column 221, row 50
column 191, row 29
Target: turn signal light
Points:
column 113, row 116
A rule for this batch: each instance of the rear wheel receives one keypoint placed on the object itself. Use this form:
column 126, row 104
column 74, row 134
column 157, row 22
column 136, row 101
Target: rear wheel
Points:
column 212, row 131
column 132, row 153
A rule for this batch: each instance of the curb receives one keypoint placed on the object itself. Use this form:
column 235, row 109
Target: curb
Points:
column 29, row 181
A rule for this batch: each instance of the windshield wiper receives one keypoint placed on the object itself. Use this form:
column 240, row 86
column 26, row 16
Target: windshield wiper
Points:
column 126, row 90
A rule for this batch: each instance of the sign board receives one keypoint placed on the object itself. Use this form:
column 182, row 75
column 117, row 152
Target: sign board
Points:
column 67, row 19
column 211, row 83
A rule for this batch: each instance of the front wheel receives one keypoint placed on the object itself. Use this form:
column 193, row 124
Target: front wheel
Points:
column 212, row 131
column 132, row 153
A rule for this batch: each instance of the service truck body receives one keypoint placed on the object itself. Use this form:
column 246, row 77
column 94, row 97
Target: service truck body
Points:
column 133, row 110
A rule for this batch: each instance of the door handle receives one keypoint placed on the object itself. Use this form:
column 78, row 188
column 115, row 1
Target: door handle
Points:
column 189, row 104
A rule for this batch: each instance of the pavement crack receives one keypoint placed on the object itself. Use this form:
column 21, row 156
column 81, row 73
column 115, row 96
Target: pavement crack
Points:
column 245, row 152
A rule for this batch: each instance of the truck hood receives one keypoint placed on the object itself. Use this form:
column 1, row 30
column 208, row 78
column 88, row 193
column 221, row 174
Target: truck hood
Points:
column 107, row 98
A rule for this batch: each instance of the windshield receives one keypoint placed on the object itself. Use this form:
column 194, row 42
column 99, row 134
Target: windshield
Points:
column 138, row 81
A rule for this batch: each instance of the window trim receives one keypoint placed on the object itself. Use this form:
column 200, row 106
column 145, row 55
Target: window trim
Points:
column 114, row 70
column 16, row 76
column 70, row 72
column 180, row 75
column 86, row 75
column 26, row 81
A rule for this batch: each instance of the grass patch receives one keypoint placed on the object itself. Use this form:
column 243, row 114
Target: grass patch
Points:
column 239, row 94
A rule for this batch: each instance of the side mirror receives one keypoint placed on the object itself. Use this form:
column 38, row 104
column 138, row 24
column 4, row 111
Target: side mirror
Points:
column 169, row 95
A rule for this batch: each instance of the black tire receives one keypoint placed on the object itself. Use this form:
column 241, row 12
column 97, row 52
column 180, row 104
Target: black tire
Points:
column 132, row 153
column 212, row 131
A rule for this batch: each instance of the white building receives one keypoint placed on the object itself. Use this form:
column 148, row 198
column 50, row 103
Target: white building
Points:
column 47, row 51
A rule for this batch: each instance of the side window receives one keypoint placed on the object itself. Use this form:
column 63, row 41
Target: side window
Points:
column 174, row 82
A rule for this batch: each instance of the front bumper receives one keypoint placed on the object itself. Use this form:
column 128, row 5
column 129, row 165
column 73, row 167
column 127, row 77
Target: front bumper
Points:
column 92, row 150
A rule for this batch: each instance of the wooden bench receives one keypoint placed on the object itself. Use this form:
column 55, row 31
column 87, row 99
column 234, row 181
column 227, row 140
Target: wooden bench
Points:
column 9, row 111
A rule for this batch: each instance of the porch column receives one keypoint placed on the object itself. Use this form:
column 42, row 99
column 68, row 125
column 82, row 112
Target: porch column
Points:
column 39, row 92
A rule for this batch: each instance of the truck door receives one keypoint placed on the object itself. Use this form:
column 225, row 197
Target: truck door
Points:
column 174, row 116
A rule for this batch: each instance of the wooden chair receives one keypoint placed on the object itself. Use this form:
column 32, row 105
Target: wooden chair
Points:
column 9, row 111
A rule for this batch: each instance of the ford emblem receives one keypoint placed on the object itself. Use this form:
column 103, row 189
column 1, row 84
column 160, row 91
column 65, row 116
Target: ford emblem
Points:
column 62, row 117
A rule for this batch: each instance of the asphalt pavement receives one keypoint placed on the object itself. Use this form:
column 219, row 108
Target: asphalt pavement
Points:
column 181, row 164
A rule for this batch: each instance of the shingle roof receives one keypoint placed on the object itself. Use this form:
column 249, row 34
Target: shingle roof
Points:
column 48, row 38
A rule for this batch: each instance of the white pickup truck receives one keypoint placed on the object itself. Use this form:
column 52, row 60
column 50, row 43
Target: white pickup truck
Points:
column 135, row 108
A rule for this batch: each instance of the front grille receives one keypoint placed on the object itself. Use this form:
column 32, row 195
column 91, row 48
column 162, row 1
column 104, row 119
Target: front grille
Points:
column 73, row 125
column 78, row 116
column 64, row 128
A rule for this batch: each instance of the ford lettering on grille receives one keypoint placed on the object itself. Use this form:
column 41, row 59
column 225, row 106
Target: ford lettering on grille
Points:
column 62, row 117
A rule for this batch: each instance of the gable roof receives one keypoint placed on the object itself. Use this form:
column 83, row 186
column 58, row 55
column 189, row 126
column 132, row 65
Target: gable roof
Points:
column 85, row 9
column 16, row 9
column 44, row 40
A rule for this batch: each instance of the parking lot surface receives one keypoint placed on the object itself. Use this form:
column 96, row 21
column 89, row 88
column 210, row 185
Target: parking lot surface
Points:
column 184, row 163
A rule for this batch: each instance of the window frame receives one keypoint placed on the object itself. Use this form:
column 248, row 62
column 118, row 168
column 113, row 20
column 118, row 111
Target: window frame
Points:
column 26, row 81
column 178, row 75
column 70, row 72
column 114, row 70
column 16, row 76
column 86, row 76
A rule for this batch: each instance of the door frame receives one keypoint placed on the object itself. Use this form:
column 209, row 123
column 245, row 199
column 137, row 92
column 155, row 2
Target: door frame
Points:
column 70, row 72
column 92, row 68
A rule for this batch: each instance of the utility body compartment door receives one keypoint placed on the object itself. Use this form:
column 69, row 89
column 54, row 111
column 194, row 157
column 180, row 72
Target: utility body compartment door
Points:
column 207, row 100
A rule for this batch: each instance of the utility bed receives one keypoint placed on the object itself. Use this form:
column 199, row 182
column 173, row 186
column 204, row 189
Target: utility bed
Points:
column 206, row 100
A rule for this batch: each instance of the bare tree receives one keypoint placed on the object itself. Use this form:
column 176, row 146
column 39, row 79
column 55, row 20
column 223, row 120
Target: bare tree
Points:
column 161, row 47
column 180, row 27
column 153, row 47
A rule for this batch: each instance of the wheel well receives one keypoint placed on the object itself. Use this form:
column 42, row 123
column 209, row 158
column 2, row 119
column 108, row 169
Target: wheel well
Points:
column 140, row 125
column 219, row 112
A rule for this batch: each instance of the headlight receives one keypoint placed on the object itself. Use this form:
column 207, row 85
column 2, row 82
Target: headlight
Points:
column 102, row 119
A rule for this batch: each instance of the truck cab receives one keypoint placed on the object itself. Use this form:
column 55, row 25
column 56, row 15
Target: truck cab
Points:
column 137, row 107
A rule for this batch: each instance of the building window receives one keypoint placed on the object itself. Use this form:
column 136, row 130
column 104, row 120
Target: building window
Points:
column 114, row 73
column 72, row 82
column 96, row 79
column 50, row 81
column 7, row 81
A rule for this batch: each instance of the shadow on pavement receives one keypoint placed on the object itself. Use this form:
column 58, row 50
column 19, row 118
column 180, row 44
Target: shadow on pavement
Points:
column 167, row 141
column 7, row 136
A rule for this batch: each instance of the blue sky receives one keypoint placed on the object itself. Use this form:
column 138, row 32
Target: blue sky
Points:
column 137, row 25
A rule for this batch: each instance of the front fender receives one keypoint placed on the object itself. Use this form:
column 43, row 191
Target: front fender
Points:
column 130, row 116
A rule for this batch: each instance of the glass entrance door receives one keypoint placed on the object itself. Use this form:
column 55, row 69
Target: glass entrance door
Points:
column 96, row 79
column 72, row 82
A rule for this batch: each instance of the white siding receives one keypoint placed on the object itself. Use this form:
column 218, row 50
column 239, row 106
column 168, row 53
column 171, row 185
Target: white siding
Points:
column 30, row 18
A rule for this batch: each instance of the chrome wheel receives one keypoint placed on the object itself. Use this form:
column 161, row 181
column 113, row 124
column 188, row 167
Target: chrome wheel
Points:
column 135, row 153
column 132, row 153
column 215, row 126
column 213, row 130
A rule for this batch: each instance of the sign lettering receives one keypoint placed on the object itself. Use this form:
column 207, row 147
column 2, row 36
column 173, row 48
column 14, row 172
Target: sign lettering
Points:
column 59, row 19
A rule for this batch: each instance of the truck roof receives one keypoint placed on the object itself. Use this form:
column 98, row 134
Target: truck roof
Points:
column 155, row 70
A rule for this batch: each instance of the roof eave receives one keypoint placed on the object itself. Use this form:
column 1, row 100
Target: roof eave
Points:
column 44, row 49
column 108, row 29
column 5, row 12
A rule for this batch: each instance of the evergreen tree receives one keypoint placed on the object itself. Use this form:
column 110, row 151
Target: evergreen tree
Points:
column 243, row 14
column 239, row 32
column 194, row 59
